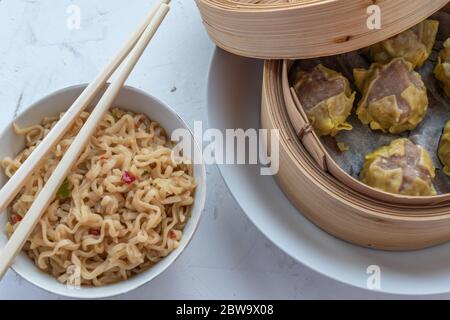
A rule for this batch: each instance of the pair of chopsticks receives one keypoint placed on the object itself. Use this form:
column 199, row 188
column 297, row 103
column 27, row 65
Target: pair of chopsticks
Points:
column 126, row 59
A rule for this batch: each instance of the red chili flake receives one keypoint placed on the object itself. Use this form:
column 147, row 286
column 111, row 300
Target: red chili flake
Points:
column 172, row 234
column 15, row 218
column 128, row 178
column 94, row 232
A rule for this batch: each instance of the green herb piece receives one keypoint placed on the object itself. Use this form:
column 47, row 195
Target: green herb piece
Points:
column 115, row 115
column 64, row 191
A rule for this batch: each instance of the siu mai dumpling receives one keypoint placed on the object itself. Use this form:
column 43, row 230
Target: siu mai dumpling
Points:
column 444, row 149
column 401, row 168
column 442, row 70
column 327, row 99
column 394, row 97
column 414, row 45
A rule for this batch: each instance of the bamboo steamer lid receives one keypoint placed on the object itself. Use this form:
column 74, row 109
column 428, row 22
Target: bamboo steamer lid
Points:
column 299, row 29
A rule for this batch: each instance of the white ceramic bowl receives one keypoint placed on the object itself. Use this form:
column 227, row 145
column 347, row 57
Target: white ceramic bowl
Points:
column 129, row 99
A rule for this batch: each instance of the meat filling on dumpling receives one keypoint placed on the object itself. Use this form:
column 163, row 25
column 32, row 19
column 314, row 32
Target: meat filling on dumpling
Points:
column 327, row 99
column 394, row 96
column 401, row 168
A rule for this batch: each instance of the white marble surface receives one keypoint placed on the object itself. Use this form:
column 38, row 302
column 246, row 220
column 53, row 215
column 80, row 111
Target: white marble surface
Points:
column 228, row 258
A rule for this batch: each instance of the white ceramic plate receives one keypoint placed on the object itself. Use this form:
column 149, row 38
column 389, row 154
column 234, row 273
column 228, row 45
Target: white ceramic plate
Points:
column 129, row 99
column 234, row 94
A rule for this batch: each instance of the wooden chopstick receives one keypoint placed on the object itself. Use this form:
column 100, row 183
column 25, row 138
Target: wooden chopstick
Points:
column 49, row 190
column 17, row 181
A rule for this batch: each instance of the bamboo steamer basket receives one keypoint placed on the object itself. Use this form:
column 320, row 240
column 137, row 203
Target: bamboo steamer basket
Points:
column 298, row 29
column 332, row 199
column 312, row 143
column 310, row 178
column 332, row 205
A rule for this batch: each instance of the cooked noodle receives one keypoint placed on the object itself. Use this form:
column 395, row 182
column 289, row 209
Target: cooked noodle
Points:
column 122, row 208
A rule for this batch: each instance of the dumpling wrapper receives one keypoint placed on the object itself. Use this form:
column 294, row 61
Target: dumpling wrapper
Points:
column 401, row 168
column 444, row 149
column 327, row 99
column 442, row 70
column 414, row 45
column 394, row 96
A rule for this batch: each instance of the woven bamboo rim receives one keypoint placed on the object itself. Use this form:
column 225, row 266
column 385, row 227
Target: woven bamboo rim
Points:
column 334, row 206
column 301, row 29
